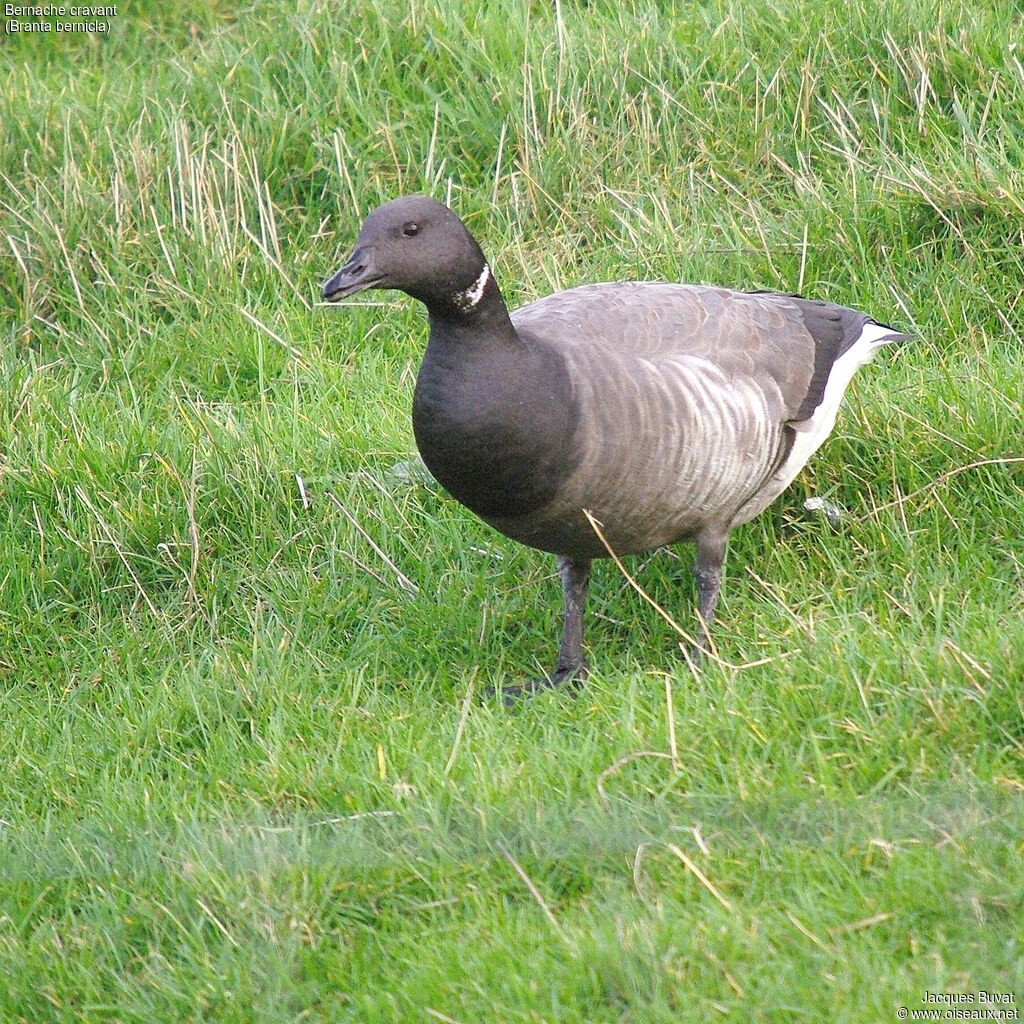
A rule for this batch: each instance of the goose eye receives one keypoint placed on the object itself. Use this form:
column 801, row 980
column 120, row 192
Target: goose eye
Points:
column 411, row 229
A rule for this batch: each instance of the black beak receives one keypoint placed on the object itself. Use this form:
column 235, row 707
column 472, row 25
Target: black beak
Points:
column 357, row 273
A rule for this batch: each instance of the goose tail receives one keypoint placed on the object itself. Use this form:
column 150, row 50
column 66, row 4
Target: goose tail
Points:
column 877, row 334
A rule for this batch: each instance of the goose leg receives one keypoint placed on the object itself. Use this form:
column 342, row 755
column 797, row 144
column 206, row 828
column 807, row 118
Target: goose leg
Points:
column 575, row 581
column 707, row 569
column 571, row 664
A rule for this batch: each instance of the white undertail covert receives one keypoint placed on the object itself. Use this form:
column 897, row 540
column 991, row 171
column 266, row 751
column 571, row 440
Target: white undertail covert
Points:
column 812, row 432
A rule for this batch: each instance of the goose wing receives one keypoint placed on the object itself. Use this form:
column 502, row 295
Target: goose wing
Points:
column 783, row 345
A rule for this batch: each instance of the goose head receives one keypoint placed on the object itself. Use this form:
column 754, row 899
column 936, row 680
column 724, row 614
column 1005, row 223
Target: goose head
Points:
column 418, row 246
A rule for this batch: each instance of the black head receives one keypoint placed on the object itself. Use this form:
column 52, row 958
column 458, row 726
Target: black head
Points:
column 417, row 245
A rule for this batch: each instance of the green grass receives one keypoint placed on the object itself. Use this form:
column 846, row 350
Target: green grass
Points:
column 242, row 779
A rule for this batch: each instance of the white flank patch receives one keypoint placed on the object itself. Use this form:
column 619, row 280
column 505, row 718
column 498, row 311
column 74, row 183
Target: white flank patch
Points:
column 474, row 293
column 812, row 432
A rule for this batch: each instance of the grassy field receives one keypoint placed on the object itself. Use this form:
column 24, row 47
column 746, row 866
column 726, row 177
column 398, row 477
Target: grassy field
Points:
column 247, row 771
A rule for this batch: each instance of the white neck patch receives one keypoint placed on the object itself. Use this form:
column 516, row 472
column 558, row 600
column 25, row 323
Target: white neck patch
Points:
column 471, row 297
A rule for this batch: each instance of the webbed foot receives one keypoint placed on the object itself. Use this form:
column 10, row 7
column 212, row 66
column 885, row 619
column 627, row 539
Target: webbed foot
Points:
column 571, row 678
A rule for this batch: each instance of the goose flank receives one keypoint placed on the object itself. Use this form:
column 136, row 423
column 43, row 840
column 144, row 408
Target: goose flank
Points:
column 668, row 411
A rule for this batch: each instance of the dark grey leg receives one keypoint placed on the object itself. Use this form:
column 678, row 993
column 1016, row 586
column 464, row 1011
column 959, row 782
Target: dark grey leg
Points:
column 571, row 664
column 575, row 580
column 707, row 569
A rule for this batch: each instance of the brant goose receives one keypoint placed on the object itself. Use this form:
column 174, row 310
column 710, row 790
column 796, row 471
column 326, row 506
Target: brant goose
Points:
column 667, row 411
